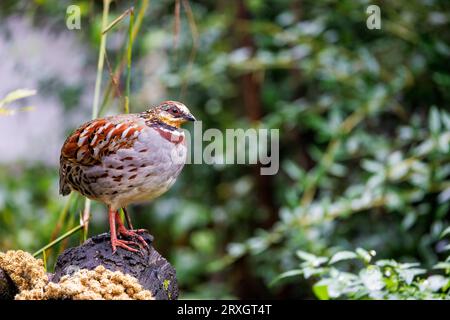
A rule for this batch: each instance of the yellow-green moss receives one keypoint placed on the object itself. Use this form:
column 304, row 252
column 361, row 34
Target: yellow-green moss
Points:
column 99, row 284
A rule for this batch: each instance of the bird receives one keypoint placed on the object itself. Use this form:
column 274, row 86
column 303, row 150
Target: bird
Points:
column 126, row 159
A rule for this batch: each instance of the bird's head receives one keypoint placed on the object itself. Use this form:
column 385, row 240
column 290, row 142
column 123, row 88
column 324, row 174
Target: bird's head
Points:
column 172, row 113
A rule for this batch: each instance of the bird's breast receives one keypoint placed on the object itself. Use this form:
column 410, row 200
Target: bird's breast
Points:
column 142, row 172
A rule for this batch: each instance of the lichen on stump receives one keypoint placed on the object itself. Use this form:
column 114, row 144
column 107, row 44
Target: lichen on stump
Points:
column 152, row 271
column 97, row 284
column 89, row 271
column 19, row 271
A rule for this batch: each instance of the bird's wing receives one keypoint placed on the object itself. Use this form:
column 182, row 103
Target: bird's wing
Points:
column 98, row 138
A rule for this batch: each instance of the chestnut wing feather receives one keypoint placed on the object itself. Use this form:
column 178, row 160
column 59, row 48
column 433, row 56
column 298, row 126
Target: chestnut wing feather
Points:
column 87, row 145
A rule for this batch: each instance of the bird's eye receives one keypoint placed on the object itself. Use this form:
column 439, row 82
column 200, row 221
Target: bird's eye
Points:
column 174, row 110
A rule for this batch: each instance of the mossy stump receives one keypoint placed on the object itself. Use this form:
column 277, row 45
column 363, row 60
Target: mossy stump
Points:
column 143, row 275
column 152, row 271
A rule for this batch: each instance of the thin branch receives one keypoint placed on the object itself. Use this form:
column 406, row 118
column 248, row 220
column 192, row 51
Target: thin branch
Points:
column 195, row 37
column 176, row 24
column 122, row 58
column 62, row 216
column 118, row 19
column 98, row 83
column 129, row 50
column 327, row 160
column 114, row 79
column 59, row 239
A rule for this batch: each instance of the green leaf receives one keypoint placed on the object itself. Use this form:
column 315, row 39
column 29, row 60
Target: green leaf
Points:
column 364, row 254
column 311, row 259
column 321, row 291
column 10, row 112
column 386, row 263
column 409, row 220
column 445, row 119
column 16, row 95
column 408, row 275
column 343, row 255
column 305, row 256
column 372, row 278
column 409, row 265
column 445, row 232
column 435, row 282
column 434, row 121
column 372, row 166
column 236, row 249
column 443, row 141
column 287, row 274
column 312, row 271
column 294, row 171
column 442, row 265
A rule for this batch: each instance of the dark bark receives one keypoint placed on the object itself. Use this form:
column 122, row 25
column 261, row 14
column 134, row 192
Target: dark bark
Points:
column 7, row 287
column 245, row 282
column 251, row 94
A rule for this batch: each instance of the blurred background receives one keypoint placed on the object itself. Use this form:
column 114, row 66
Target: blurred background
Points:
column 364, row 126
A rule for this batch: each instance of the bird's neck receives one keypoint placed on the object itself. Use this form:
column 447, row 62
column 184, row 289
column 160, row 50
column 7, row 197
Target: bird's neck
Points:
column 169, row 133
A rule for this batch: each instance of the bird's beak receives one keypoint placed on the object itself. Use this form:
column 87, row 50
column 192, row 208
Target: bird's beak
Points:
column 189, row 117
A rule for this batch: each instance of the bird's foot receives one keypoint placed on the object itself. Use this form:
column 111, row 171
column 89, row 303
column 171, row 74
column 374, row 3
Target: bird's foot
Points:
column 115, row 243
column 138, row 230
column 134, row 234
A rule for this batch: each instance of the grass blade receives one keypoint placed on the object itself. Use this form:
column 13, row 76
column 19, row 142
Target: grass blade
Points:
column 58, row 240
column 98, row 83
column 118, row 19
column 129, row 49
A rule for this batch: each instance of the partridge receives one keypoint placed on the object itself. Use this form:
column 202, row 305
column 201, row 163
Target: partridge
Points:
column 125, row 159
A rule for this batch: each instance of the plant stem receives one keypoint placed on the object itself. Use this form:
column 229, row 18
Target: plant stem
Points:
column 98, row 83
column 59, row 239
column 101, row 59
column 62, row 216
column 328, row 158
column 130, row 46
column 44, row 257
column 195, row 43
column 121, row 60
column 117, row 20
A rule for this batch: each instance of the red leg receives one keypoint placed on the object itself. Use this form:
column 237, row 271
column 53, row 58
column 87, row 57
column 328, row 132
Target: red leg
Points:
column 129, row 233
column 114, row 241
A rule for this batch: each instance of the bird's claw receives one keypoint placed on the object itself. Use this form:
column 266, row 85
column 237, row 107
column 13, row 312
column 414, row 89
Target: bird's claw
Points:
column 139, row 230
column 134, row 234
column 115, row 243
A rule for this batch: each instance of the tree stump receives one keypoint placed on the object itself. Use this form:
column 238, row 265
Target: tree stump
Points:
column 8, row 289
column 152, row 271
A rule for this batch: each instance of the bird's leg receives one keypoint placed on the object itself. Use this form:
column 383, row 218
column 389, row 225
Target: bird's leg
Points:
column 130, row 225
column 129, row 233
column 114, row 241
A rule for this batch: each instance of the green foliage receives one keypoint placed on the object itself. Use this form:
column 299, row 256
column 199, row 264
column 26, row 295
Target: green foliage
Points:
column 360, row 277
